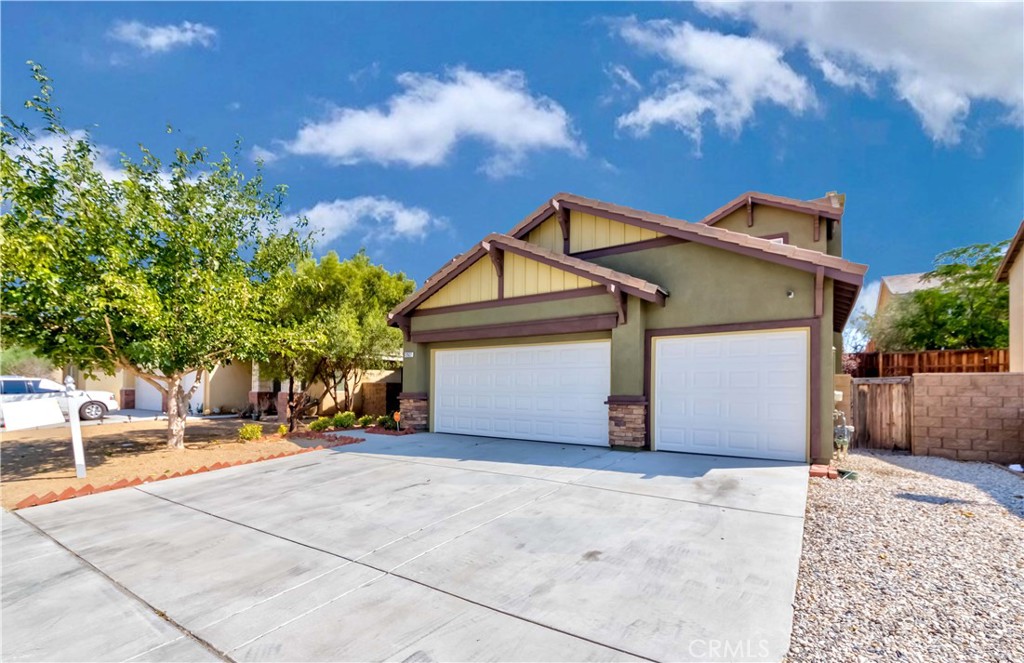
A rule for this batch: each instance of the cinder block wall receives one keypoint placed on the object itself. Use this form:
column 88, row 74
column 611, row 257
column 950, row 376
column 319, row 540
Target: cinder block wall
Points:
column 969, row 416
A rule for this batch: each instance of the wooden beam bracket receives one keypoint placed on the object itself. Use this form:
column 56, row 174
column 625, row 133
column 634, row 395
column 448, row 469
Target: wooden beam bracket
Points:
column 562, row 214
column 620, row 302
column 750, row 212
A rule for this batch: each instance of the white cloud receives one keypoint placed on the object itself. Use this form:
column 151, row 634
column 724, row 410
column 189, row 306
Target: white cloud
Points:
column 839, row 75
column 718, row 76
column 268, row 157
column 106, row 158
column 422, row 125
column 941, row 58
column 162, row 38
column 622, row 77
column 376, row 217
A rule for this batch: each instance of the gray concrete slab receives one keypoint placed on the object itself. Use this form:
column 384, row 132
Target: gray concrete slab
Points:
column 440, row 547
column 55, row 608
column 422, row 625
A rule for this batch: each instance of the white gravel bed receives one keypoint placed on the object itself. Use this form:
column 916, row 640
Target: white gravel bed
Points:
column 919, row 559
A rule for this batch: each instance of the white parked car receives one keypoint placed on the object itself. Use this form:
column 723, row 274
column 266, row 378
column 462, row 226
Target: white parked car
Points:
column 20, row 388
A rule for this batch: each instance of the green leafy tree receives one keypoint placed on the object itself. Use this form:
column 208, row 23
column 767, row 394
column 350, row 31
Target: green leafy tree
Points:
column 339, row 310
column 162, row 272
column 969, row 309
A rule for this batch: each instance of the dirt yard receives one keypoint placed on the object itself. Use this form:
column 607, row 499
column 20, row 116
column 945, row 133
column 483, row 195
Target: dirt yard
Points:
column 40, row 461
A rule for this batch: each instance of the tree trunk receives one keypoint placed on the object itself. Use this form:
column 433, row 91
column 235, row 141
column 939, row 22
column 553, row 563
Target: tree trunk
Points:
column 292, row 410
column 177, row 410
column 348, row 393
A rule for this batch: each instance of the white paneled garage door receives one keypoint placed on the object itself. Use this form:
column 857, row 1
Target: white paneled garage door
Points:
column 738, row 394
column 551, row 393
column 148, row 397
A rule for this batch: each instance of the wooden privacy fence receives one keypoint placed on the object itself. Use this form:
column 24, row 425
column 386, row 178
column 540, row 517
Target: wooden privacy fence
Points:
column 897, row 364
column 882, row 409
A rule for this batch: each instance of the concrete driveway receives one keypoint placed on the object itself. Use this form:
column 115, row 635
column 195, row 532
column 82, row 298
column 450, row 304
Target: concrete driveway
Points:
column 421, row 548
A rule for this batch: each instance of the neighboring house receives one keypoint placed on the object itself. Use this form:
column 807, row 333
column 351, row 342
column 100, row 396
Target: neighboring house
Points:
column 376, row 392
column 224, row 389
column 593, row 323
column 901, row 284
column 1011, row 270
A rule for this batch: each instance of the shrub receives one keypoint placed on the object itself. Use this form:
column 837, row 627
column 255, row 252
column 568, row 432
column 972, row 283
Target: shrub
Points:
column 250, row 432
column 344, row 420
column 387, row 421
column 282, row 430
column 321, row 424
column 367, row 420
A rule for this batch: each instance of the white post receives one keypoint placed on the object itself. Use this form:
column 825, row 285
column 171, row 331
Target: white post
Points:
column 76, row 427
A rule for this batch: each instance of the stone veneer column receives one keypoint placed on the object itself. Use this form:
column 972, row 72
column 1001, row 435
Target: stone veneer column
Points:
column 627, row 421
column 415, row 408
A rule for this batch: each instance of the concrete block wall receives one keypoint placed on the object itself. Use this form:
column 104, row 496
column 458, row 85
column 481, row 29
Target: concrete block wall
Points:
column 969, row 416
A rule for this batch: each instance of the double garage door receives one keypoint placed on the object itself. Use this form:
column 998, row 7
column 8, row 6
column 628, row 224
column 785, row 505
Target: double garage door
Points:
column 552, row 393
column 739, row 394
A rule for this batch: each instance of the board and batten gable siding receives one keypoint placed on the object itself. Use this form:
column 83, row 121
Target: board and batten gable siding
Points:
column 548, row 235
column 773, row 222
column 588, row 232
column 525, row 277
column 478, row 283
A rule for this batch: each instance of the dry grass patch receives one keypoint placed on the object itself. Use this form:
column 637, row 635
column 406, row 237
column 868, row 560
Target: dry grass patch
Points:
column 40, row 461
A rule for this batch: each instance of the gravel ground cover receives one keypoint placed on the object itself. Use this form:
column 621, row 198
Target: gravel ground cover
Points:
column 920, row 559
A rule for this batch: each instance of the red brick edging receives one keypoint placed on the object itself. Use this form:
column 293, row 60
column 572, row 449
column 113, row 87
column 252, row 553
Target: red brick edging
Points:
column 69, row 493
column 824, row 471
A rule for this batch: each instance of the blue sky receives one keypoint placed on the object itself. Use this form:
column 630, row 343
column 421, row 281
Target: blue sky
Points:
column 416, row 129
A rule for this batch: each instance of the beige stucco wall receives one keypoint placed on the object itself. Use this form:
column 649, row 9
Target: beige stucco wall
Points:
column 101, row 381
column 228, row 387
column 1017, row 314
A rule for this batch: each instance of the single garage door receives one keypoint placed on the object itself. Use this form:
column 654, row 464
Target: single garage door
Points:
column 737, row 394
column 551, row 393
column 148, row 397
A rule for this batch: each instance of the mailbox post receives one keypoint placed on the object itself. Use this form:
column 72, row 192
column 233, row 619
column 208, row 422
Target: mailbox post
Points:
column 76, row 426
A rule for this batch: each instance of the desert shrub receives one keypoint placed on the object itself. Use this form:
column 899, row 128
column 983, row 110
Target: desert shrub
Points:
column 387, row 421
column 250, row 432
column 344, row 420
column 367, row 420
column 282, row 430
column 321, row 424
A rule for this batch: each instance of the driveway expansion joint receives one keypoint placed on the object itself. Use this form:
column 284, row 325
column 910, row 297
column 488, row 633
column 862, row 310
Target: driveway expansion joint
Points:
column 130, row 594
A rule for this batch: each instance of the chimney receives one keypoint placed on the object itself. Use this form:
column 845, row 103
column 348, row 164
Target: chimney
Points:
column 838, row 200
